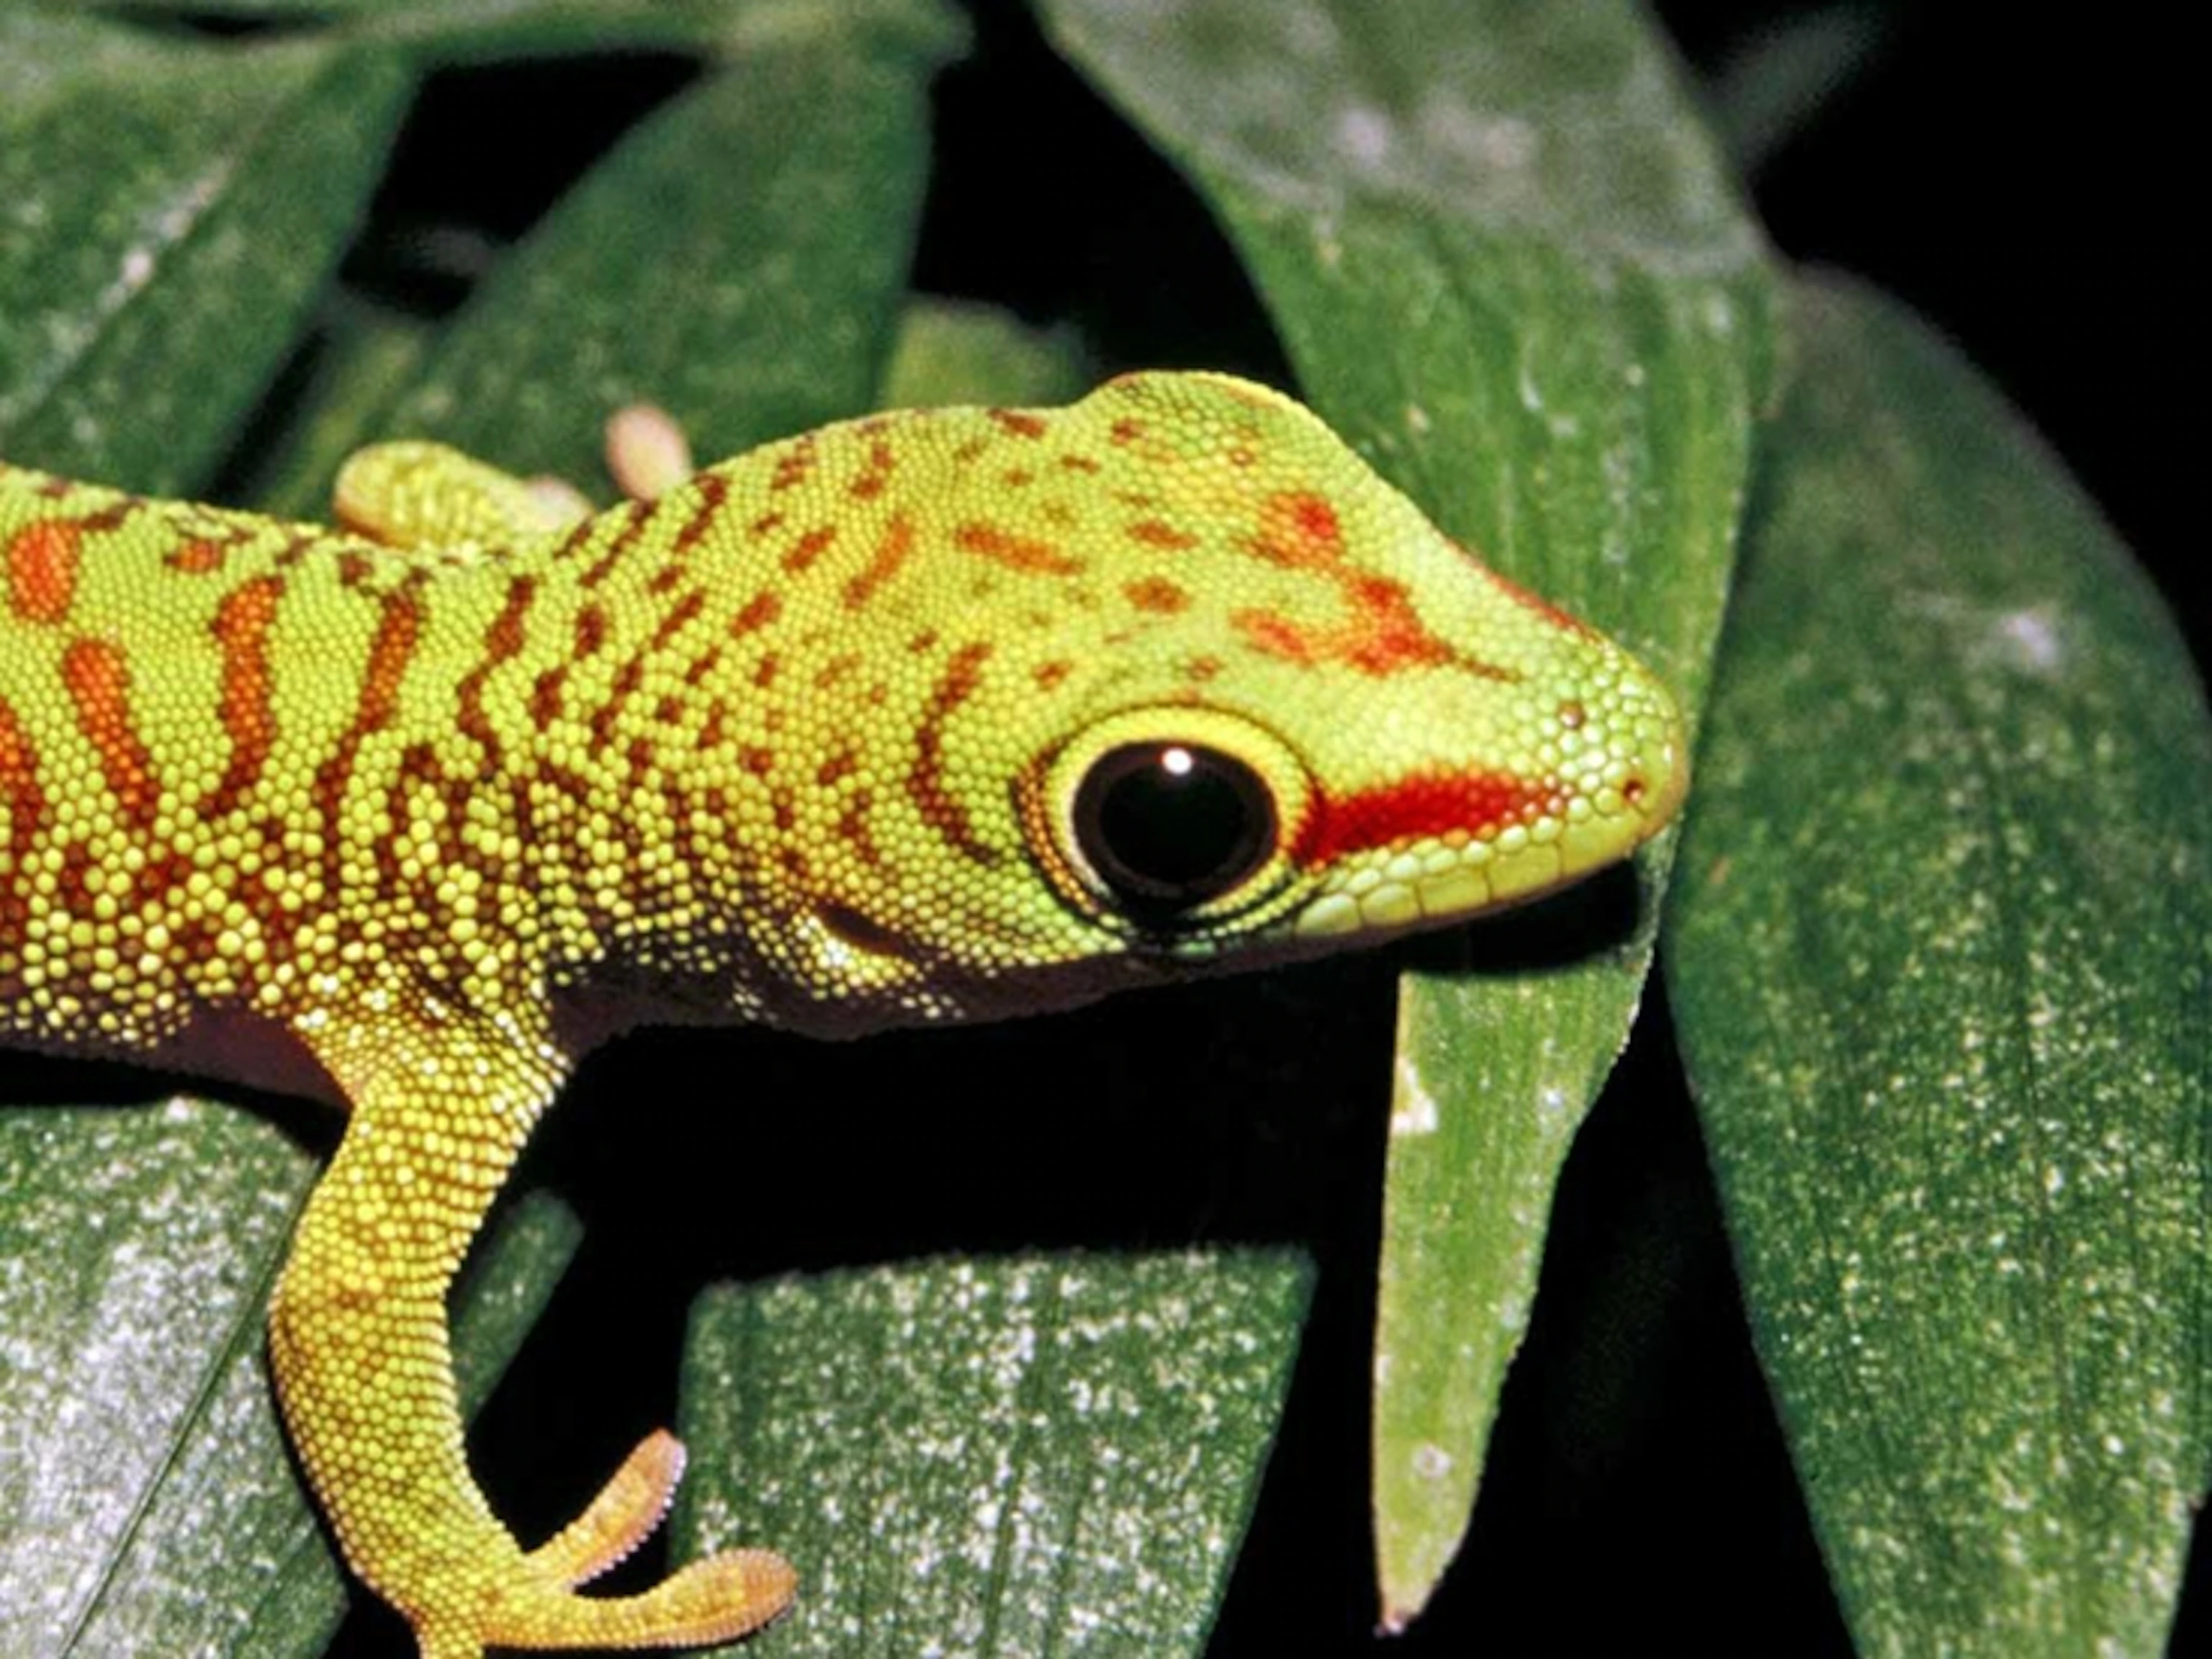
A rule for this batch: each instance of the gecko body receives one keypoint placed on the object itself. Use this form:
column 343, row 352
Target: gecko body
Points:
column 930, row 716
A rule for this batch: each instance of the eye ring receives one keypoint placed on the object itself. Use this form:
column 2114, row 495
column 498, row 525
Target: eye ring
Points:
column 1168, row 822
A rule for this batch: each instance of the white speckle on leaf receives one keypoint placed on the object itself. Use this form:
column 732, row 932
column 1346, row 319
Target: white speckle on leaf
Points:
column 1365, row 135
column 1414, row 1112
column 2030, row 640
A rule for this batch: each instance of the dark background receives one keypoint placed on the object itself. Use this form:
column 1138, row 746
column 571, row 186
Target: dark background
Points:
column 2018, row 185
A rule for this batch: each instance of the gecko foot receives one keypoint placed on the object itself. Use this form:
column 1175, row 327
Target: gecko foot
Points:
column 629, row 1507
column 715, row 1600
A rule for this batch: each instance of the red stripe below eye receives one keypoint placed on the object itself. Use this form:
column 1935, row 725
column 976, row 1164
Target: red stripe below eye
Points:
column 1478, row 803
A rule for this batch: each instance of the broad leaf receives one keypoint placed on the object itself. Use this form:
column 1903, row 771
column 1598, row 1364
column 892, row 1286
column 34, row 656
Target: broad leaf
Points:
column 1002, row 1457
column 1506, row 262
column 159, row 248
column 147, row 1503
column 1939, row 952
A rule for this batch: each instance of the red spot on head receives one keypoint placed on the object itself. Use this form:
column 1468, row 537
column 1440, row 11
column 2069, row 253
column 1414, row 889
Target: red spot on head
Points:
column 1198, row 670
column 1379, row 632
column 1479, row 803
column 1015, row 552
column 1156, row 593
column 1127, row 430
column 1153, row 533
column 1049, row 674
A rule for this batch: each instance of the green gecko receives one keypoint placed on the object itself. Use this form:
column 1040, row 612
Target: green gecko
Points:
column 939, row 716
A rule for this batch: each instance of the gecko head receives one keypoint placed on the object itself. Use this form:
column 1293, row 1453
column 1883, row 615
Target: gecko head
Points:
column 1206, row 691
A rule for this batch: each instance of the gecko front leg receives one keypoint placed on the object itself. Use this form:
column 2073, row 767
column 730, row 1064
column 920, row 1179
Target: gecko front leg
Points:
column 441, row 1106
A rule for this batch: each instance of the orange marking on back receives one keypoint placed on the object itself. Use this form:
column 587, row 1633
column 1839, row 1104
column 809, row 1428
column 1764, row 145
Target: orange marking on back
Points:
column 1015, row 552
column 546, row 697
column 1381, row 632
column 678, row 617
column 637, row 516
column 1156, row 593
column 26, row 803
column 399, row 628
column 713, row 490
column 42, row 565
column 895, row 543
column 503, row 640
column 591, row 631
column 246, row 707
column 852, row 827
column 760, row 611
column 793, row 467
column 608, row 715
column 925, row 779
column 98, row 676
column 1153, row 533
column 882, row 462
column 809, row 548
column 1049, row 674
column 1018, row 422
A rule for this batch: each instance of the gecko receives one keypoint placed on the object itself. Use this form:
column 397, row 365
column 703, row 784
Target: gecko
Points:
column 930, row 716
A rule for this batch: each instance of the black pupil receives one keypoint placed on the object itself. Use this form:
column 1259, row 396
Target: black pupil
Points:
column 1168, row 826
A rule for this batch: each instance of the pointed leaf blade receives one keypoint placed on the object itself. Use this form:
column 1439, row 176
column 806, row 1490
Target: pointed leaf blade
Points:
column 1000, row 1457
column 1939, row 963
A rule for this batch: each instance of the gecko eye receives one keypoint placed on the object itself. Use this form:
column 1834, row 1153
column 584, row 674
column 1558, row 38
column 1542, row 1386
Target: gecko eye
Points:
column 1170, row 826
column 1172, row 823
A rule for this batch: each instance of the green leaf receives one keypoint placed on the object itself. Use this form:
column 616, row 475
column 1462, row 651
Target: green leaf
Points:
column 952, row 353
column 171, row 208
column 739, row 259
column 1006, row 1456
column 147, row 1502
column 1506, row 265
column 1939, row 954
